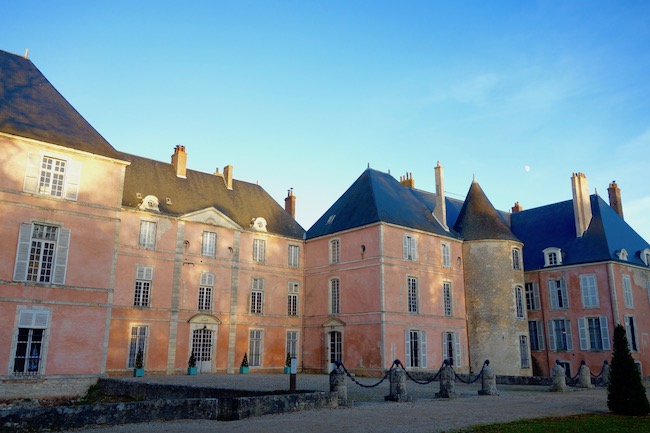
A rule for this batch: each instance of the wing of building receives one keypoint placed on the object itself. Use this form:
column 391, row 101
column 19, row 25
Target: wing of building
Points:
column 155, row 258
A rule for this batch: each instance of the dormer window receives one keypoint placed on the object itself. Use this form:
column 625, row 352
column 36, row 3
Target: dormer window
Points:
column 552, row 256
column 622, row 254
column 258, row 224
column 150, row 202
column 645, row 256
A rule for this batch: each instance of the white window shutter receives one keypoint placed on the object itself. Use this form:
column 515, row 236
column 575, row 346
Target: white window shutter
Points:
column 536, row 301
column 31, row 173
column 540, row 335
column 604, row 332
column 457, row 357
column 407, row 348
column 207, row 279
column 582, row 331
column 551, row 335
column 565, row 299
column 445, row 355
column 414, row 249
column 33, row 319
column 405, row 247
column 552, row 292
column 61, row 259
column 41, row 319
column 423, row 349
column 22, row 252
column 569, row 337
column 73, row 176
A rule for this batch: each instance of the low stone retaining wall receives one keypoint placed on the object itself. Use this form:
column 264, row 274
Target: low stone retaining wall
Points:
column 16, row 387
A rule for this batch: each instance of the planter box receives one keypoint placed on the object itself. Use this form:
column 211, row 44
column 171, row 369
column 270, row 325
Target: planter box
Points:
column 138, row 372
column 287, row 370
column 243, row 370
column 192, row 371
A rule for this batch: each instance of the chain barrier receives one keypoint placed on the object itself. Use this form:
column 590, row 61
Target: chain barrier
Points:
column 424, row 382
column 602, row 370
column 340, row 364
column 469, row 382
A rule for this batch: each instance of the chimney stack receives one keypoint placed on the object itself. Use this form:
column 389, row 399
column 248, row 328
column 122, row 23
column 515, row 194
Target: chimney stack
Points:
column 440, row 211
column 517, row 208
column 290, row 204
column 179, row 161
column 227, row 176
column 407, row 180
column 581, row 203
column 615, row 198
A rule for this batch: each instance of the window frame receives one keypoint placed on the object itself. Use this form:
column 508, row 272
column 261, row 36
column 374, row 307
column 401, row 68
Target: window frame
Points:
column 552, row 256
column 137, row 340
column 631, row 332
column 259, row 250
column 292, row 340
column 627, row 291
column 554, row 332
column 334, row 291
column 33, row 180
column 445, row 251
column 533, row 299
column 24, row 362
column 519, row 303
column 451, row 340
column 143, row 285
column 413, row 294
column 589, row 291
column 334, row 251
column 516, row 259
column 293, row 297
column 209, row 244
column 257, row 296
column 524, row 353
column 558, row 294
column 447, row 299
column 147, row 236
column 58, row 259
column 255, row 347
column 206, row 291
column 415, row 350
column 409, row 247
column 588, row 340
column 293, row 253
column 536, row 333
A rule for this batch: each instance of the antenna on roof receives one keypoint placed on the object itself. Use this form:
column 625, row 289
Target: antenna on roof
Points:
column 26, row 53
column 368, row 165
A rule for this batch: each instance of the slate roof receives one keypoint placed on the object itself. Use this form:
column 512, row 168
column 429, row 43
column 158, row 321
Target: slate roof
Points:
column 377, row 196
column 554, row 226
column 202, row 190
column 479, row 220
column 31, row 107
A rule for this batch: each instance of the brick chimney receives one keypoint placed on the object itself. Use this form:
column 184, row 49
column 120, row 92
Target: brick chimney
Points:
column 440, row 211
column 407, row 180
column 290, row 204
column 581, row 203
column 179, row 161
column 517, row 208
column 615, row 198
column 227, row 176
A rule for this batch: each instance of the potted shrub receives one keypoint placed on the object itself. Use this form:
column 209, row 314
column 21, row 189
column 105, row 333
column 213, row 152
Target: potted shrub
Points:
column 243, row 368
column 138, row 371
column 191, row 365
column 287, row 364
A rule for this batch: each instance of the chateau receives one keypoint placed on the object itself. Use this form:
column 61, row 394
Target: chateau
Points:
column 107, row 253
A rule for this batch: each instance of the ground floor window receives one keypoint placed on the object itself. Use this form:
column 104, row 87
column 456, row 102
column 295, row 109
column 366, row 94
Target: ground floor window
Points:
column 451, row 348
column 202, row 344
column 559, row 335
column 523, row 350
column 255, row 348
column 416, row 349
column 138, row 342
column 536, row 332
column 30, row 342
column 292, row 343
column 335, row 347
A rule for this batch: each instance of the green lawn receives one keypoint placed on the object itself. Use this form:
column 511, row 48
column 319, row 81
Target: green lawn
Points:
column 596, row 423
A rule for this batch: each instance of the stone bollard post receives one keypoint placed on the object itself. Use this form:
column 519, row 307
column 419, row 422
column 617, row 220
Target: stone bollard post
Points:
column 558, row 378
column 488, row 381
column 584, row 376
column 338, row 385
column 447, row 382
column 397, row 377
column 606, row 370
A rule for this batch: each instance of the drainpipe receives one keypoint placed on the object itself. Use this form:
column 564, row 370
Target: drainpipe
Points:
column 612, row 288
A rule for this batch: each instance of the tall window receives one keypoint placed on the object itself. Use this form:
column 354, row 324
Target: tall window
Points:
column 589, row 291
column 532, row 297
column 594, row 333
column 206, row 285
column 42, row 253
column 630, row 331
column 451, row 347
column 147, row 235
column 335, row 296
column 523, row 351
column 292, row 343
column 259, row 250
column 294, row 256
column 255, row 348
column 519, row 302
column 335, row 251
column 52, row 176
column 28, row 358
column 209, row 244
column 516, row 259
column 552, row 256
column 627, row 292
column 138, row 342
column 559, row 335
column 142, row 292
column 446, row 255
column 416, row 349
column 446, row 299
column 257, row 296
column 558, row 294
column 55, row 177
column 536, row 332
column 202, row 341
column 409, row 248
column 412, row 284
column 335, row 347
column 292, row 299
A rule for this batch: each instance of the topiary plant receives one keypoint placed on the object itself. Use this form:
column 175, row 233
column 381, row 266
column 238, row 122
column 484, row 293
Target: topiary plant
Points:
column 139, row 359
column 287, row 363
column 191, row 363
column 625, row 392
column 244, row 362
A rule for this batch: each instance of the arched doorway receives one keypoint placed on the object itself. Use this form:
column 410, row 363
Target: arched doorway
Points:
column 333, row 339
column 203, row 341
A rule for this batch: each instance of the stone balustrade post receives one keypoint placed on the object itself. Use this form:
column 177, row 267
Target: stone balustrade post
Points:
column 447, row 382
column 558, row 379
column 488, row 381
column 397, row 377
column 584, row 376
column 338, row 385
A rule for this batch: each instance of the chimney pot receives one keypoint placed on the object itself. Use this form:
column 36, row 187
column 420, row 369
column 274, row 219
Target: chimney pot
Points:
column 227, row 176
column 615, row 198
column 290, row 203
column 517, row 208
column 179, row 161
column 581, row 203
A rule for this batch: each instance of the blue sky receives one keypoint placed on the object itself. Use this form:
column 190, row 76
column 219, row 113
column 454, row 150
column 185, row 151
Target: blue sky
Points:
column 306, row 94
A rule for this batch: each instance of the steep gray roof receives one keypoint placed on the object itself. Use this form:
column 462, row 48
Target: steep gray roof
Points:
column 479, row 220
column 199, row 191
column 31, row 107
column 375, row 197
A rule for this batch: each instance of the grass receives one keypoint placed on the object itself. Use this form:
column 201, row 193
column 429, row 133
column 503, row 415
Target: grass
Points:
column 593, row 423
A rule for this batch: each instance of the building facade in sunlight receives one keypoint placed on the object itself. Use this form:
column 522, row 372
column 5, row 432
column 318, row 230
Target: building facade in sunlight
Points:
column 106, row 254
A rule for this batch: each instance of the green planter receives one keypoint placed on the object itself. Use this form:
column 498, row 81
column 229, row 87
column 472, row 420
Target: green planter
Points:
column 192, row 371
column 287, row 370
column 243, row 370
column 138, row 372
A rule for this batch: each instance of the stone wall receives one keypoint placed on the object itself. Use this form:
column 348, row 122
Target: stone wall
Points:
column 45, row 387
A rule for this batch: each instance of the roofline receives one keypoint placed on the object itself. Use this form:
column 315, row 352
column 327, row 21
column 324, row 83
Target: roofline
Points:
column 60, row 148
column 386, row 224
column 582, row 265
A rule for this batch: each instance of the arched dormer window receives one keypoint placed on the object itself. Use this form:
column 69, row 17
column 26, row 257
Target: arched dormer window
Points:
column 622, row 254
column 645, row 256
column 552, row 256
column 150, row 202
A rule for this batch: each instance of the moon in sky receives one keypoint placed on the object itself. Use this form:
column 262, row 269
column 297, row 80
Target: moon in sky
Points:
column 527, row 168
